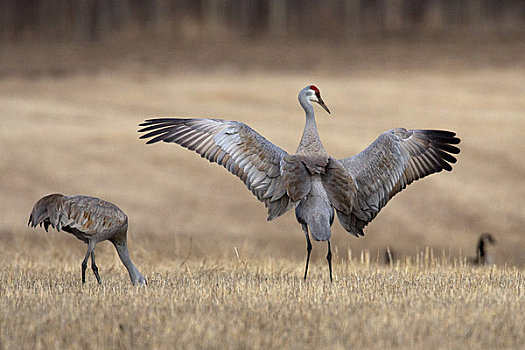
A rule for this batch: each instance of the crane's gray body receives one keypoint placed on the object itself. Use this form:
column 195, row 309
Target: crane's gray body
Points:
column 356, row 188
column 91, row 220
column 315, row 211
column 87, row 218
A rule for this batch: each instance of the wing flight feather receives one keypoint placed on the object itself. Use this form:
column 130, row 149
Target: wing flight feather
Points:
column 235, row 146
column 393, row 161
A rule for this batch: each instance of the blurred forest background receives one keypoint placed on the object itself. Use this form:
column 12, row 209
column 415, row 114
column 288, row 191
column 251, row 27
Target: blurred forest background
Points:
column 244, row 34
column 92, row 20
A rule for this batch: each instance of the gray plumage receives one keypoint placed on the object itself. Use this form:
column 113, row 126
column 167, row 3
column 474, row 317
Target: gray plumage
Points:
column 91, row 220
column 310, row 180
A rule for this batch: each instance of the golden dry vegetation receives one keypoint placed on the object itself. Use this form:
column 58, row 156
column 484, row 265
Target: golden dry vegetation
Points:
column 261, row 304
column 240, row 285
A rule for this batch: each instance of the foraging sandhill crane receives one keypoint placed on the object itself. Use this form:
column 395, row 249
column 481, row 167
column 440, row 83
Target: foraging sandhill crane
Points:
column 91, row 220
column 482, row 255
column 310, row 180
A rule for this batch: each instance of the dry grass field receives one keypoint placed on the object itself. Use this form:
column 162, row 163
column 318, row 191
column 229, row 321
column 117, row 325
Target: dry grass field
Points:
column 262, row 304
column 221, row 276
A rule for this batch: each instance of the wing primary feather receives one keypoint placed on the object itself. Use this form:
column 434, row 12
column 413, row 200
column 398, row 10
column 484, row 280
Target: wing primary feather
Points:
column 155, row 126
column 156, row 132
column 235, row 146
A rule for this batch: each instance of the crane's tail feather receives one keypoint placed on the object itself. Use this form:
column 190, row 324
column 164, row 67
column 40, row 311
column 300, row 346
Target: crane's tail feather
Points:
column 46, row 212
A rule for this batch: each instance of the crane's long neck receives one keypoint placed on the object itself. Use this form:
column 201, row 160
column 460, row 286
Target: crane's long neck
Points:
column 310, row 141
column 134, row 274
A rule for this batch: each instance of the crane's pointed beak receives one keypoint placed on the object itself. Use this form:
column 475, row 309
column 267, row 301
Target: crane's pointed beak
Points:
column 321, row 103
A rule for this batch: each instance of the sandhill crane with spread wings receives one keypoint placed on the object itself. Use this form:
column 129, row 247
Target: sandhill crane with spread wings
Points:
column 310, row 180
column 91, row 220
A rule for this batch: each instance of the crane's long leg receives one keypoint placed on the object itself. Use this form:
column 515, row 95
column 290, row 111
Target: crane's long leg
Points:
column 94, row 266
column 308, row 249
column 91, row 246
column 329, row 258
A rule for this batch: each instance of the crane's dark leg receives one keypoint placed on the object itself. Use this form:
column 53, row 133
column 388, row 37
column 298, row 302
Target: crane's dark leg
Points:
column 90, row 248
column 94, row 266
column 329, row 258
column 308, row 249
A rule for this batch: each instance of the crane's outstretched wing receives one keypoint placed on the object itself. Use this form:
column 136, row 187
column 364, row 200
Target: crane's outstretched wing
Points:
column 83, row 216
column 394, row 160
column 235, row 146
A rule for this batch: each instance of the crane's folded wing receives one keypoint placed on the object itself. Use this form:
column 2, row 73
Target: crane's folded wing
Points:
column 82, row 215
column 91, row 216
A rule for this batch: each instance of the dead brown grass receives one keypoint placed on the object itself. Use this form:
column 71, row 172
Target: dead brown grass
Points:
column 77, row 134
column 262, row 304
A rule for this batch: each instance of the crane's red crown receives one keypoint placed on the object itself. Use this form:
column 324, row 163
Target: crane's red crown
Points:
column 316, row 90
